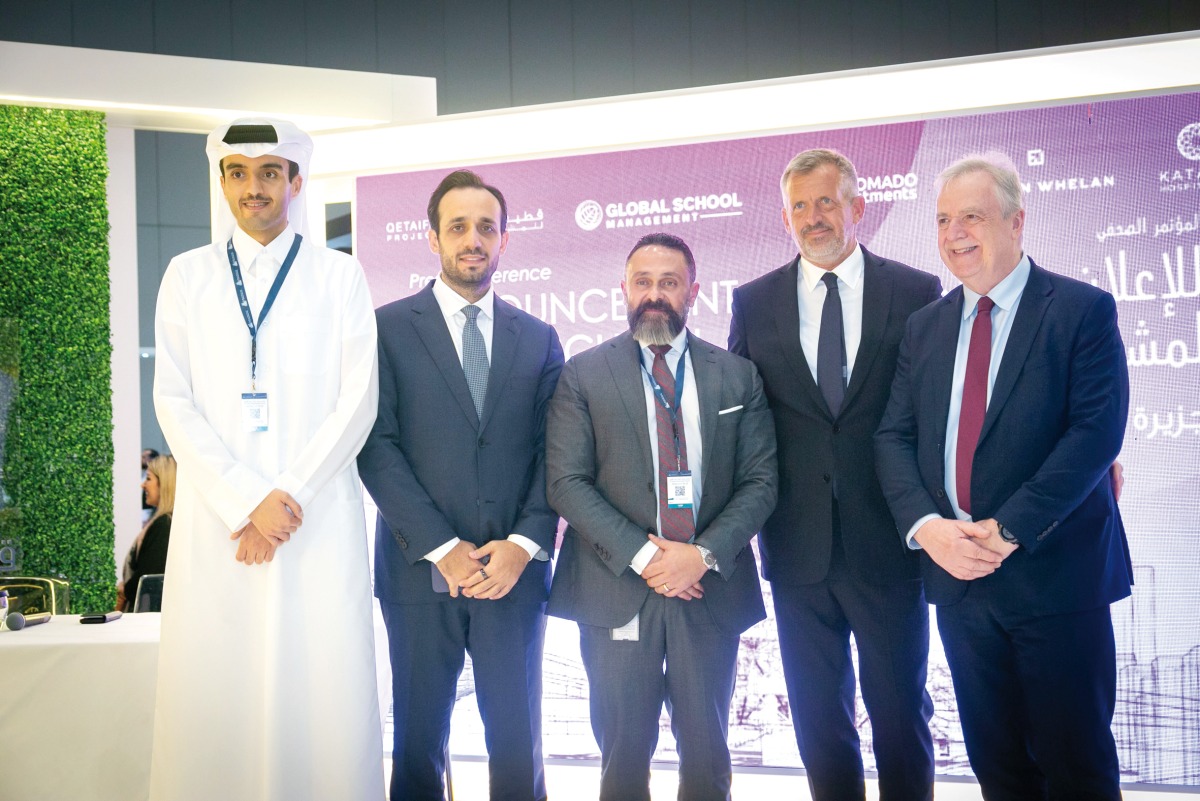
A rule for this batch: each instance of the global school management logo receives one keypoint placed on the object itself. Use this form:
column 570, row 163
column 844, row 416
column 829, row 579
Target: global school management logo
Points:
column 590, row 214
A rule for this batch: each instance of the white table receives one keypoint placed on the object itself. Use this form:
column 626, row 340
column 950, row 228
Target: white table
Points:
column 77, row 709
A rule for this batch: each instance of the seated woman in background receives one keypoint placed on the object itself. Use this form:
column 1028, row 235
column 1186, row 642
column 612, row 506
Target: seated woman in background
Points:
column 148, row 555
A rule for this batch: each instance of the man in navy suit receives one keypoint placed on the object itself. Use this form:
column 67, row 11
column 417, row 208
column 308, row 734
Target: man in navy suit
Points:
column 1008, row 408
column 455, row 463
column 830, row 548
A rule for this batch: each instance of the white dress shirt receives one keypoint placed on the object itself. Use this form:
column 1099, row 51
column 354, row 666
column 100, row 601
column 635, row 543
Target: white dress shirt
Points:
column 811, row 292
column 1007, row 296
column 452, row 304
column 689, row 412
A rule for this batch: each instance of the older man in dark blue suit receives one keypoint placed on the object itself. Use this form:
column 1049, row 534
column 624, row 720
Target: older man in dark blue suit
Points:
column 1007, row 410
column 455, row 463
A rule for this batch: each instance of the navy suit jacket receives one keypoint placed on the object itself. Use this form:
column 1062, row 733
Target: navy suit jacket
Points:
column 1054, row 425
column 814, row 447
column 434, row 469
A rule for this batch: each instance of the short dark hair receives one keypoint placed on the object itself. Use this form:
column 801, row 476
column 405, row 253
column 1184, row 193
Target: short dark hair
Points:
column 463, row 179
column 293, row 169
column 671, row 242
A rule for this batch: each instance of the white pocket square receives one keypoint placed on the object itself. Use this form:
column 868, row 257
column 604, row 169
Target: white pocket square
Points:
column 737, row 408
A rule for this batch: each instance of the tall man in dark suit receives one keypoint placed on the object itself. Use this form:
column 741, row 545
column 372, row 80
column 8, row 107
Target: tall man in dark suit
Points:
column 824, row 331
column 1008, row 408
column 660, row 455
column 456, row 465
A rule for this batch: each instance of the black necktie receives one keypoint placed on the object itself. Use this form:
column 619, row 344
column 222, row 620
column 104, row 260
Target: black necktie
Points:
column 831, row 348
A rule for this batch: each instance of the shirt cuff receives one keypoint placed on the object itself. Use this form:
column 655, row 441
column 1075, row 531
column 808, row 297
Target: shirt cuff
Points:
column 439, row 553
column 643, row 557
column 913, row 545
column 532, row 548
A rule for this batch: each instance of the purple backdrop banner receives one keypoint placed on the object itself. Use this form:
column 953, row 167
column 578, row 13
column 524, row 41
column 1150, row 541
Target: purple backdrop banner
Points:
column 1113, row 198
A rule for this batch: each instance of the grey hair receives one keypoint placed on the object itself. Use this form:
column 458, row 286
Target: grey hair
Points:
column 1004, row 175
column 809, row 160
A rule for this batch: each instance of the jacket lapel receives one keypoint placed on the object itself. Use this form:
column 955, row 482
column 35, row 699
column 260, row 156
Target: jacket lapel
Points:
column 1035, row 300
column 506, row 335
column 624, row 359
column 786, row 311
column 431, row 328
column 876, row 306
column 707, row 376
column 941, row 373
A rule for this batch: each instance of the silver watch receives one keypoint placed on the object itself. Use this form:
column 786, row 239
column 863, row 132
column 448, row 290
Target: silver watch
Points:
column 710, row 561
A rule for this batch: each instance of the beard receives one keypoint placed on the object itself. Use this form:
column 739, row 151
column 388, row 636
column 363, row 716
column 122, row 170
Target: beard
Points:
column 656, row 329
column 825, row 252
column 457, row 276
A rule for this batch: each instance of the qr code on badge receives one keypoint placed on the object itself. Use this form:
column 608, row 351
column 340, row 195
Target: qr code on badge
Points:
column 678, row 491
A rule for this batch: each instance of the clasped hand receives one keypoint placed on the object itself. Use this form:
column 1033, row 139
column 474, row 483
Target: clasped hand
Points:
column 675, row 569
column 278, row 516
column 253, row 548
column 465, row 571
column 272, row 523
column 964, row 549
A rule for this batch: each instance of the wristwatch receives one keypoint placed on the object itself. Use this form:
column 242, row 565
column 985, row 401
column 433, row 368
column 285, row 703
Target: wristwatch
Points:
column 1007, row 535
column 710, row 561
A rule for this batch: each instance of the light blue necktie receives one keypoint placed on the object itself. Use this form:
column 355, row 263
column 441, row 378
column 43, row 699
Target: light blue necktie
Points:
column 475, row 360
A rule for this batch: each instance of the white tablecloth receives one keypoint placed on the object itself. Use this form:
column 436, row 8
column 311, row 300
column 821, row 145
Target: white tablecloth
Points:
column 77, row 709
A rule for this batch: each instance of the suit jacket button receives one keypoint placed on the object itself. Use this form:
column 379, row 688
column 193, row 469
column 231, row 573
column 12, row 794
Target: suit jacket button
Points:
column 650, row 486
column 941, row 493
column 837, row 429
column 482, row 442
column 826, row 478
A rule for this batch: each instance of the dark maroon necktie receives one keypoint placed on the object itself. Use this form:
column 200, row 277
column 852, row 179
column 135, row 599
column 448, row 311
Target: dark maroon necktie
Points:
column 677, row 524
column 974, row 399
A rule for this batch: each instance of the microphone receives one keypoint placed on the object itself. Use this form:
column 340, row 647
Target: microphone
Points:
column 17, row 621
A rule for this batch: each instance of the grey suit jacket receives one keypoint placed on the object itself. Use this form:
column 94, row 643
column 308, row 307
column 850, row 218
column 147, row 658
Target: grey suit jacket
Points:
column 600, row 478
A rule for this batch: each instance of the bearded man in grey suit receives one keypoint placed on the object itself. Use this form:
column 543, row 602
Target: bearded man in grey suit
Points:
column 660, row 455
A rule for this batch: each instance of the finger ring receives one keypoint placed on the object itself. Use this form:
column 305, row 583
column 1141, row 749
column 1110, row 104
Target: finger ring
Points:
column 483, row 572
column 666, row 588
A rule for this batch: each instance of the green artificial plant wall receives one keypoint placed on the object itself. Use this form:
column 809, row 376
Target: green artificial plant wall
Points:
column 54, row 283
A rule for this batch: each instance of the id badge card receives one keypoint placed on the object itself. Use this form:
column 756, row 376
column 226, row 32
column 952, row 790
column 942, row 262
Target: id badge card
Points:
column 679, row 489
column 629, row 632
column 254, row 411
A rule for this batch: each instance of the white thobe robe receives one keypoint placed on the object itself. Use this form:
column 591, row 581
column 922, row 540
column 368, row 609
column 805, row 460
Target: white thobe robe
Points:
column 266, row 684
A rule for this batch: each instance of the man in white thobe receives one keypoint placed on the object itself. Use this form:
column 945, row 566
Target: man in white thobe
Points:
column 266, row 388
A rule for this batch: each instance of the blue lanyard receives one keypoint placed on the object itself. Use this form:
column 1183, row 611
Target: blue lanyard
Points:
column 672, row 409
column 244, row 303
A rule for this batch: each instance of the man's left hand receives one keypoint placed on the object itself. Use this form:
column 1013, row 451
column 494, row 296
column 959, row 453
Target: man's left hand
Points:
column 506, row 562
column 677, row 574
column 254, row 547
column 993, row 541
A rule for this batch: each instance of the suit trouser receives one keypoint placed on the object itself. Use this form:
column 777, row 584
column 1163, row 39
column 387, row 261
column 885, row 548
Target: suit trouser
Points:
column 680, row 657
column 890, row 623
column 427, row 643
column 1036, row 697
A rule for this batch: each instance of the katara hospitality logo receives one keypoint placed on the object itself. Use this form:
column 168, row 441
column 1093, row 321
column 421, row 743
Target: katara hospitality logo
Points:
column 1188, row 142
column 590, row 214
